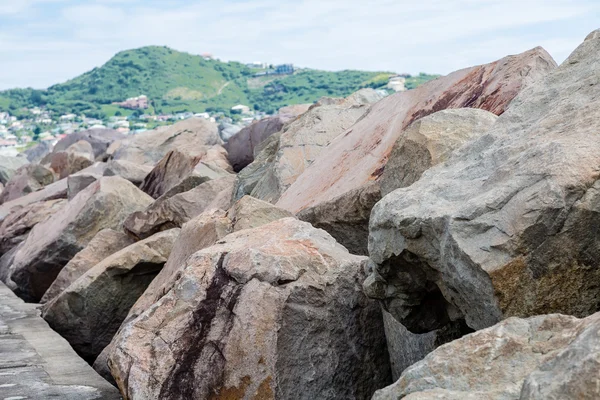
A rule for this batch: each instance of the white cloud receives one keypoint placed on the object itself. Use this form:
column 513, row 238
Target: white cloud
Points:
column 399, row 35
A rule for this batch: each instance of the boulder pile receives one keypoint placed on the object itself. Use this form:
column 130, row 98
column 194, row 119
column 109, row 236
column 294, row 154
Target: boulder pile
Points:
column 437, row 243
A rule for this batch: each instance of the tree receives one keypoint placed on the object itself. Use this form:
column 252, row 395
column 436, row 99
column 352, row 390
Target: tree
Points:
column 36, row 133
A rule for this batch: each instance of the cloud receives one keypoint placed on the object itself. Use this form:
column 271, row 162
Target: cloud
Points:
column 59, row 39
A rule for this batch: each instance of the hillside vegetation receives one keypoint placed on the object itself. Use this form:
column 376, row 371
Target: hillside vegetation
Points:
column 176, row 82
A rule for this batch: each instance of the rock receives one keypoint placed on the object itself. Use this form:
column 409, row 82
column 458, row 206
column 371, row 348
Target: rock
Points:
column 502, row 228
column 10, row 165
column 240, row 147
column 51, row 244
column 191, row 136
column 99, row 139
column 75, row 158
column 172, row 212
column 359, row 156
column 36, row 153
column 104, row 244
column 346, row 217
column 134, row 173
column 16, row 226
column 89, row 312
column 248, row 178
column 264, row 312
column 226, row 131
column 28, row 178
column 294, row 110
column 56, row 190
column 170, row 171
column 543, row 357
column 37, row 363
column 430, row 141
column 78, row 182
column 301, row 142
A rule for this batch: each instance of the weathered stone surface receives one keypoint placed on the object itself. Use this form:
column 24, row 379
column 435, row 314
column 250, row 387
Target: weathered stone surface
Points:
column 99, row 139
column 360, row 155
column 172, row 212
column 346, row 217
column 36, row 153
column 16, row 226
column 37, row 363
column 75, row 158
column 543, row 357
column 28, row 178
column 294, row 110
column 134, row 173
column 262, row 313
column 89, row 312
column 78, row 182
column 56, row 190
column 51, row 244
column 191, row 136
column 240, row 147
column 429, row 141
column 104, row 244
column 170, row 171
column 504, row 227
column 301, row 142
column 10, row 165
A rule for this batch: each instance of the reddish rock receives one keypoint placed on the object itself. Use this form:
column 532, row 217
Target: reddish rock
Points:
column 360, row 154
column 27, row 179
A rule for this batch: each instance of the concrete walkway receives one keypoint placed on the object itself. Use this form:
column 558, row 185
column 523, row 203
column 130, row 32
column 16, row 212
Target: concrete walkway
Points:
column 37, row 363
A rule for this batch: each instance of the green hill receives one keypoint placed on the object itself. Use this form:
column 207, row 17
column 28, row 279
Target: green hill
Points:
column 175, row 82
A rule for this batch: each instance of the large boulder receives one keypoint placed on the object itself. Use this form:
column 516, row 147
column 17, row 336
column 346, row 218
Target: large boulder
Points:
column 303, row 140
column 506, row 227
column 9, row 165
column 99, row 139
column 17, row 225
column 429, row 141
column 75, row 158
column 193, row 136
column 262, row 313
column 56, row 190
column 240, row 147
column 359, row 156
column 172, row 212
column 36, row 153
column 170, row 171
column 134, row 173
column 105, row 243
column 51, row 244
column 89, row 312
column 543, row 357
column 28, row 178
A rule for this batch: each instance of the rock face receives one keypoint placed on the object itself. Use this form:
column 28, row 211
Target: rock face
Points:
column 36, row 153
column 16, row 226
column 89, row 312
column 301, row 142
column 103, row 245
column 51, row 244
column 359, row 156
column 346, row 217
column 192, row 136
column 78, row 182
column 172, row 212
column 134, row 173
column 26, row 179
column 240, row 147
column 543, row 357
column 99, row 139
column 170, row 171
column 252, row 317
column 503, row 228
column 430, row 141
column 75, row 158
column 9, row 165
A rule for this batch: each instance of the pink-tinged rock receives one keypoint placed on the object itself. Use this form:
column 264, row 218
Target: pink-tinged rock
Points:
column 359, row 154
column 51, row 244
column 28, row 178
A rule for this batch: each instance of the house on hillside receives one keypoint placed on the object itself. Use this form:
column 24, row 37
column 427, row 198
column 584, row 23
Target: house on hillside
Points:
column 207, row 56
column 241, row 109
column 284, row 69
column 135, row 103
column 397, row 83
column 257, row 65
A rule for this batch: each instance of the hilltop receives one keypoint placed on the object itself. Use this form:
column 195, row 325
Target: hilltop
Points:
column 176, row 81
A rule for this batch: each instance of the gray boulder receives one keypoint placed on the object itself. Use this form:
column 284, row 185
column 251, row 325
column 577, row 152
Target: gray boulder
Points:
column 99, row 140
column 28, row 178
column 10, row 165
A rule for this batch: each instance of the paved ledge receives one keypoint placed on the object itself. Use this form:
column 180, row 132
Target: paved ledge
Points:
column 37, row 363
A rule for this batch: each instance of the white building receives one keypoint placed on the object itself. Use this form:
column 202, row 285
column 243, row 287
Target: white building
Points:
column 241, row 108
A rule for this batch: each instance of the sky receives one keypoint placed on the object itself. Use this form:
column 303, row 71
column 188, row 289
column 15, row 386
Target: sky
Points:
column 44, row 42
